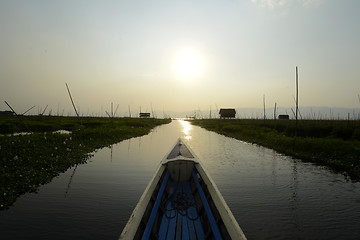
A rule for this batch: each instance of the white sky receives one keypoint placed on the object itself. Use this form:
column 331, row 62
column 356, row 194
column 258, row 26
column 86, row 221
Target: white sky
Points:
column 124, row 52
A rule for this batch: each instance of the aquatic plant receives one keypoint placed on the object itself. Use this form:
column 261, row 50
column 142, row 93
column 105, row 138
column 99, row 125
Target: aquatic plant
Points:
column 331, row 143
column 27, row 161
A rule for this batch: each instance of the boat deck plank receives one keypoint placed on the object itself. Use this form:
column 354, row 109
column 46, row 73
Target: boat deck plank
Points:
column 185, row 229
column 195, row 227
column 181, row 224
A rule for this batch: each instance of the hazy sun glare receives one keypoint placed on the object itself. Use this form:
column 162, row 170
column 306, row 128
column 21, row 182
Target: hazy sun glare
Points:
column 186, row 129
column 188, row 64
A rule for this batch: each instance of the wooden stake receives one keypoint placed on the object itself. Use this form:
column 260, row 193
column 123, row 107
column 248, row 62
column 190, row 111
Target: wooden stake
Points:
column 264, row 107
column 77, row 114
column 152, row 111
column 11, row 108
column 28, row 110
column 297, row 101
column 44, row 109
column 275, row 116
column 116, row 109
column 18, row 116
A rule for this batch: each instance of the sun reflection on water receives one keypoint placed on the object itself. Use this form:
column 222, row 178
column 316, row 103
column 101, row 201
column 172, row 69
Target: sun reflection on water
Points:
column 186, row 129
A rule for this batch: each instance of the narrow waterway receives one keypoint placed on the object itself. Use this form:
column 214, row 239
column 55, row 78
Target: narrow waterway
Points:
column 272, row 196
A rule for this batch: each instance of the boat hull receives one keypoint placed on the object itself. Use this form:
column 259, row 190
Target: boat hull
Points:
column 181, row 201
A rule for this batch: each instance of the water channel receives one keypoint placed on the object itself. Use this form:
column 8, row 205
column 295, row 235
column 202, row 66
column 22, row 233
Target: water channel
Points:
column 271, row 196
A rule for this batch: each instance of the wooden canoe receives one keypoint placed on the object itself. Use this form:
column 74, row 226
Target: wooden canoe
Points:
column 181, row 202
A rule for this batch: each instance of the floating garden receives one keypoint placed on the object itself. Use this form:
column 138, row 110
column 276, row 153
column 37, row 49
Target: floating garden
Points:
column 331, row 143
column 33, row 150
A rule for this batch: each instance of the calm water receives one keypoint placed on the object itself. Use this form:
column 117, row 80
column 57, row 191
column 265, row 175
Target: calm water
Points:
column 271, row 196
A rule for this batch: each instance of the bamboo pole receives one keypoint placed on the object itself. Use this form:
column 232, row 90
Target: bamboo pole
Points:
column 297, row 101
column 152, row 111
column 28, row 110
column 77, row 114
column 11, row 108
column 275, row 116
column 359, row 102
column 18, row 116
column 217, row 109
column 264, row 108
column 44, row 110
column 116, row 109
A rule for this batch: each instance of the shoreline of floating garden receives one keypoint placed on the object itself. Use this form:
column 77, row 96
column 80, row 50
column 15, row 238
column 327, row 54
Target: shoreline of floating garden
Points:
column 331, row 143
column 30, row 160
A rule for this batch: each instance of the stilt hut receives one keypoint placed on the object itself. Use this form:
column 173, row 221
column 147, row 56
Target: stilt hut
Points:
column 144, row 115
column 227, row 113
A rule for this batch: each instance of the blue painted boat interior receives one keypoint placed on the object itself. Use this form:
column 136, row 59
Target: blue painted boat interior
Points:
column 180, row 210
column 180, row 219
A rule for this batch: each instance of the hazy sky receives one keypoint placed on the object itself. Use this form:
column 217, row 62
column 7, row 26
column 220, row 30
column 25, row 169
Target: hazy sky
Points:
column 178, row 55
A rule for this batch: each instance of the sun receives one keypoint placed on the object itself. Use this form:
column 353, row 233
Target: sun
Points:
column 188, row 64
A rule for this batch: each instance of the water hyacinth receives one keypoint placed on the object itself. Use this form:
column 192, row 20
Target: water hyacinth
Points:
column 38, row 163
column 329, row 143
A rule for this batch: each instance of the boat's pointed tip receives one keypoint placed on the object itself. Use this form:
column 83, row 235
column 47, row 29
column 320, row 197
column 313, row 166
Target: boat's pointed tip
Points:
column 179, row 141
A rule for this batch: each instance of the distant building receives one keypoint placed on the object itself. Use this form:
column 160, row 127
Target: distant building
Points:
column 6, row 113
column 144, row 115
column 284, row 116
column 227, row 113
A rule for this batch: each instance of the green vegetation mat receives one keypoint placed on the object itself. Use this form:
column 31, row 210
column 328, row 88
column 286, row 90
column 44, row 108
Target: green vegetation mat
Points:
column 29, row 160
column 331, row 143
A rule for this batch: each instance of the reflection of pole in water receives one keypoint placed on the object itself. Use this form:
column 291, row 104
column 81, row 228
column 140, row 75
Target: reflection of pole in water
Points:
column 274, row 167
column 111, row 153
column 129, row 142
column 70, row 181
column 293, row 200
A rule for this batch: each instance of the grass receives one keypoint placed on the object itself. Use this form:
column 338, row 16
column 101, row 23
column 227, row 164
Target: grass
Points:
column 331, row 143
column 27, row 161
